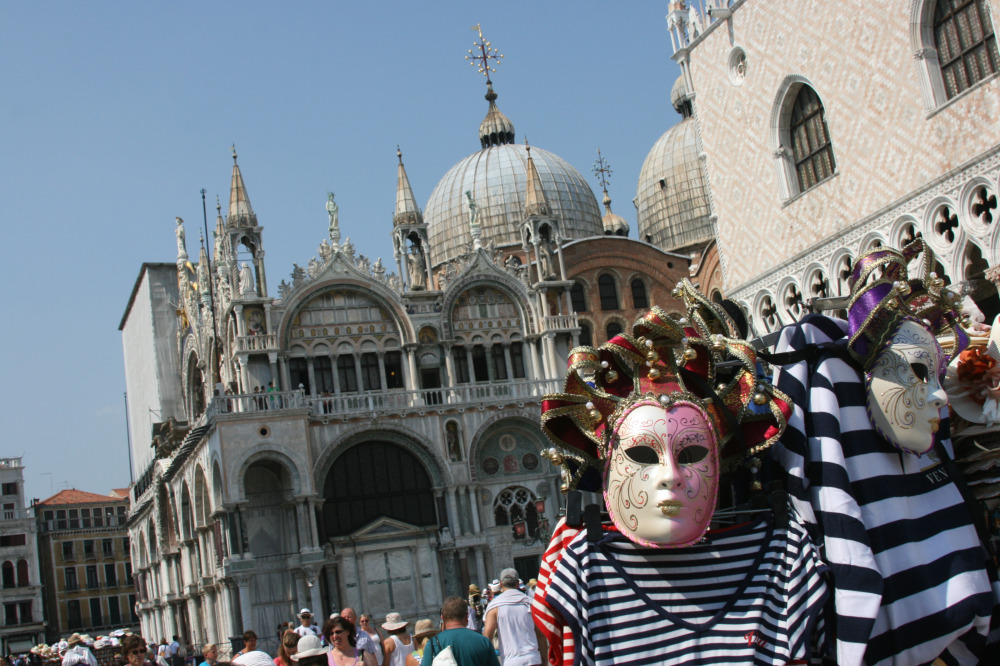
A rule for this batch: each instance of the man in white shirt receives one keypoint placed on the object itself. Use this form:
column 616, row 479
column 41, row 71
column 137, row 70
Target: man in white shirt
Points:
column 306, row 626
column 510, row 614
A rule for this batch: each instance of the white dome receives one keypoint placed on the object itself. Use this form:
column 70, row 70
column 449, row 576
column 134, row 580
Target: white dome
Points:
column 671, row 199
column 497, row 178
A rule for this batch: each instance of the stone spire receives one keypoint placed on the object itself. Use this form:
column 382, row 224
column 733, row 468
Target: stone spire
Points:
column 407, row 211
column 496, row 128
column 535, row 202
column 240, row 212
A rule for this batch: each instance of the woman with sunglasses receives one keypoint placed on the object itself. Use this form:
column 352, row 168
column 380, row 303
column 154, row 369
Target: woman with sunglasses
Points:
column 134, row 651
column 368, row 626
column 343, row 646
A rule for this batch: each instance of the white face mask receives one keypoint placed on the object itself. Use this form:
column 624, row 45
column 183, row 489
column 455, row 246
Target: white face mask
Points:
column 904, row 389
column 662, row 475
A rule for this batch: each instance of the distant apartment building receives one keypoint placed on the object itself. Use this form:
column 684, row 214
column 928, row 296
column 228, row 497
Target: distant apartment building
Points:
column 84, row 550
column 21, row 589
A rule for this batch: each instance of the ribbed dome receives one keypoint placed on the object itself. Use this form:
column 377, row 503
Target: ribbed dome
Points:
column 678, row 93
column 614, row 225
column 497, row 178
column 671, row 199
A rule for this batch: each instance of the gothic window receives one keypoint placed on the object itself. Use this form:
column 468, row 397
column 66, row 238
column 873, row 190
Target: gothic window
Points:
column 811, row 147
column 965, row 42
column 479, row 366
column 370, row 372
column 374, row 480
column 586, row 337
column 613, row 329
column 8, row 574
column 347, row 374
column 453, row 441
column 394, row 370
column 517, row 359
column 461, row 365
column 323, row 371
column 639, row 299
column 609, row 292
column 499, row 362
column 515, row 506
column 22, row 573
column 578, row 297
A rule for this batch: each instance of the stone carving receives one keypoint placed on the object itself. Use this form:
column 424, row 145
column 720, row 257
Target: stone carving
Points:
column 181, row 245
column 298, row 275
column 325, row 251
column 417, row 267
column 284, row 289
column 379, row 270
column 313, row 267
column 348, row 248
column 473, row 222
column 246, row 281
column 333, row 212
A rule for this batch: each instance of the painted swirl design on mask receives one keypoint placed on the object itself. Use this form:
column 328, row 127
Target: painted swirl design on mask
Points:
column 905, row 396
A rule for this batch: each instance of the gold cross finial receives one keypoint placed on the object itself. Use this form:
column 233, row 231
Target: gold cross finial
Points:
column 483, row 53
column 602, row 170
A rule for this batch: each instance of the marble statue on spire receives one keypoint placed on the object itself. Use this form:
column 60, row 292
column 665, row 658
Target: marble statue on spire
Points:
column 473, row 224
column 181, row 246
column 333, row 211
column 246, row 281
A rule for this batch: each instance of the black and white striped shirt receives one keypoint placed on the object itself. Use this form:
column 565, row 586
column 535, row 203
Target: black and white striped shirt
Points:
column 908, row 568
column 749, row 595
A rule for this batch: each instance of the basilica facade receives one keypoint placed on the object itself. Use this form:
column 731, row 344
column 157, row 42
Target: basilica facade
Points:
column 368, row 435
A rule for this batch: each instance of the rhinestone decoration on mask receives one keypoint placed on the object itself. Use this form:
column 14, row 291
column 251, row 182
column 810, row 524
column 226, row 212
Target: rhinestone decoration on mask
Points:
column 893, row 321
column 662, row 361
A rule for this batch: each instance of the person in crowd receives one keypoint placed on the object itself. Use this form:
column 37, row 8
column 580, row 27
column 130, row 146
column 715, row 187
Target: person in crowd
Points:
column 134, row 651
column 532, row 584
column 344, row 650
column 249, row 643
column 253, row 658
column 363, row 641
column 163, row 653
column 368, row 626
column 422, row 630
column 174, row 652
column 210, row 652
column 311, row 652
column 288, row 647
column 475, row 608
column 77, row 652
column 306, row 626
column 510, row 614
column 469, row 647
column 398, row 644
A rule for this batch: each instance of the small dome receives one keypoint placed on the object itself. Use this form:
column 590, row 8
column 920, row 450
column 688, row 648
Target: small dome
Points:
column 497, row 178
column 614, row 225
column 496, row 128
column 678, row 97
column 671, row 199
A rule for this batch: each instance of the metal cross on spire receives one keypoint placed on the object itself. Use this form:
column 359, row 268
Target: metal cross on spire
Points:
column 602, row 170
column 482, row 55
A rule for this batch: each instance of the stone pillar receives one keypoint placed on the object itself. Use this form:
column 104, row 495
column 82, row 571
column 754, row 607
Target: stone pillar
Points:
column 381, row 370
column 310, row 575
column 286, row 381
column 449, row 364
column 411, row 362
column 474, row 510
column 194, row 617
column 456, row 526
column 550, row 355
column 243, row 360
column 244, row 580
column 357, row 371
column 212, row 634
column 311, row 371
column 267, row 318
column 470, row 365
column 314, row 503
column 481, row 566
column 301, row 523
column 535, row 370
column 272, row 358
column 506, row 359
column 562, row 263
column 241, row 322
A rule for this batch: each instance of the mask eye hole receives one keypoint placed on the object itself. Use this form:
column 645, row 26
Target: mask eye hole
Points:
column 691, row 454
column 643, row 455
column 920, row 371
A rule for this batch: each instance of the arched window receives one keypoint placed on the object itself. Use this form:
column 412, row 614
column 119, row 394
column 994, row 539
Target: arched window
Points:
column 811, row 147
column 613, row 329
column 609, row 292
column 578, row 297
column 22, row 573
column 347, row 374
column 499, row 362
column 965, row 42
column 517, row 359
column 639, row 299
column 370, row 373
column 323, row 371
column 515, row 506
column 586, row 337
column 374, row 480
column 8, row 574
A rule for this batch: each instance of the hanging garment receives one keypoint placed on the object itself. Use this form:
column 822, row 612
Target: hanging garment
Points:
column 751, row 594
column 558, row 635
column 908, row 568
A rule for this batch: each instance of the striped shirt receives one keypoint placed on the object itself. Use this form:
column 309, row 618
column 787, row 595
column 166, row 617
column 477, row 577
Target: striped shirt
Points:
column 549, row 622
column 752, row 594
column 908, row 568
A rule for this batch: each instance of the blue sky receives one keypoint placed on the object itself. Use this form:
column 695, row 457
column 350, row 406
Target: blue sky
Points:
column 114, row 115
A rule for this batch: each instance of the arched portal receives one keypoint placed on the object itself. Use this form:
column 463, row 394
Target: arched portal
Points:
column 374, row 480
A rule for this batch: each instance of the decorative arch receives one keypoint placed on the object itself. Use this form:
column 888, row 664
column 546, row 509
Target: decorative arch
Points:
column 218, row 485
column 486, row 443
column 186, row 513
column 260, row 453
column 609, row 291
column 376, row 293
column 427, row 453
column 494, row 279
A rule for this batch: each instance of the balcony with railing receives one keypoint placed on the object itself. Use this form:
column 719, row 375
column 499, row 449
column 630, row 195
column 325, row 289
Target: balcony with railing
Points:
column 560, row 322
column 395, row 401
column 257, row 343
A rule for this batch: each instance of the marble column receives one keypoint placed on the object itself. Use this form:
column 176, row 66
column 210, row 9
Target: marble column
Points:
column 481, row 567
column 449, row 364
column 310, row 575
column 474, row 510
column 536, row 369
column 211, row 619
column 194, row 617
column 456, row 526
column 243, row 581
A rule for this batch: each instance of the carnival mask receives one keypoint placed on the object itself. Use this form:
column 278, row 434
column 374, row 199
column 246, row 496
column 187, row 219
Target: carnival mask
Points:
column 662, row 474
column 904, row 389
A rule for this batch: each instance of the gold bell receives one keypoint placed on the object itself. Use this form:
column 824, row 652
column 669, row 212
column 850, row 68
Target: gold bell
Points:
column 720, row 388
column 594, row 415
column 718, row 344
column 612, row 376
column 654, row 373
column 652, row 356
column 759, row 398
column 690, row 354
column 564, row 487
column 756, row 485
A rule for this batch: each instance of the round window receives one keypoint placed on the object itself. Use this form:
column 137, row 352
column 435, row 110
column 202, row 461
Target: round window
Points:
column 491, row 465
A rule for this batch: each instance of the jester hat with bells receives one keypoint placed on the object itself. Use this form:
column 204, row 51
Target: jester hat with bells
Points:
column 698, row 359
